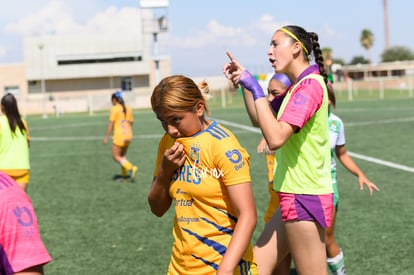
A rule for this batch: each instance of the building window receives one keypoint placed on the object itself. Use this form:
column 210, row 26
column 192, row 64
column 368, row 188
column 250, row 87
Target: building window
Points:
column 12, row 89
column 126, row 83
column 100, row 60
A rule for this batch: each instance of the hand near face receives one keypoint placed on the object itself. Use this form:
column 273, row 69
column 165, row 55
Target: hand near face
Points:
column 174, row 157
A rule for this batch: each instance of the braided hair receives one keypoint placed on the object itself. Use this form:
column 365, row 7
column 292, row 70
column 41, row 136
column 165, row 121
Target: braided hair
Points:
column 309, row 43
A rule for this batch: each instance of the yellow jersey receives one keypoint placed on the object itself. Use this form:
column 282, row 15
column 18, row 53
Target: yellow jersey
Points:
column 14, row 147
column 122, row 134
column 205, row 219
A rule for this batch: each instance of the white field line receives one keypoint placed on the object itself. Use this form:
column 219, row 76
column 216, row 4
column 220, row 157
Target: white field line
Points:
column 240, row 126
column 80, row 138
column 382, row 162
column 73, row 125
column 383, row 121
column 355, row 155
column 389, row 109
column 83, row 138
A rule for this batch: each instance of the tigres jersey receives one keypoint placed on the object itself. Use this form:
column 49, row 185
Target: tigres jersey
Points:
column 205, row 218
column 274, row 198
column 122, row 134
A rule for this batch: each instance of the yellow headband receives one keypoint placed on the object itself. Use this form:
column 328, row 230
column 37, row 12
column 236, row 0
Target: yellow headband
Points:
column 294, row 37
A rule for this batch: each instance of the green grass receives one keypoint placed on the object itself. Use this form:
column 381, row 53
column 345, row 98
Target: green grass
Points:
column 364, row 94
column 93, row 225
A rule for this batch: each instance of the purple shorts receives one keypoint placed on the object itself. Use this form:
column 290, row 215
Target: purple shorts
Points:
column 307, row 208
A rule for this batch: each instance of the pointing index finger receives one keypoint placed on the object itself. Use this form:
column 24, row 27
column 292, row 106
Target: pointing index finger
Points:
column 233, row 62
column 230, row 56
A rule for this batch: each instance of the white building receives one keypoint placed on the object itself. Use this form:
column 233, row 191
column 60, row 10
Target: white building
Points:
column 66, row 73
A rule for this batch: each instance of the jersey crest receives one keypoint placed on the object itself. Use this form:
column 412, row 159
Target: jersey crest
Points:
column 195, row 153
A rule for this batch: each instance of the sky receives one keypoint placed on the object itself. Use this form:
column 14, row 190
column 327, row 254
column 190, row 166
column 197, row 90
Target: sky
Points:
column 200, row 32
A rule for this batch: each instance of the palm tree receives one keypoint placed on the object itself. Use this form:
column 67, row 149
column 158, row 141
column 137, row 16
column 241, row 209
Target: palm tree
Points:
column 367, row 40
column 386, row 30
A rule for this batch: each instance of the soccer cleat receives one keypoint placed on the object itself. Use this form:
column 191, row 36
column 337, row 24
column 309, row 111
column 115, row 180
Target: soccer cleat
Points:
column 133, row 173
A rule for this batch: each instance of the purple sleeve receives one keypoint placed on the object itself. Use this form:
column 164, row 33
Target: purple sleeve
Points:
column 305, row 100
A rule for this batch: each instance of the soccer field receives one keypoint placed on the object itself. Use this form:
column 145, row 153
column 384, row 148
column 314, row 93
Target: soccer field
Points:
column 94, row 225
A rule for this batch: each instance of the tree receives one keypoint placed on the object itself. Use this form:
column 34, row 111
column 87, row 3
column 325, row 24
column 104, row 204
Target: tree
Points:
column 359, row 60
column 339, row 61
column 397, row 53
column 367, row 40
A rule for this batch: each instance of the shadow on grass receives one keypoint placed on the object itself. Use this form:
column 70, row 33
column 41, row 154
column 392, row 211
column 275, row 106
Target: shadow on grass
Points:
column 120, row 178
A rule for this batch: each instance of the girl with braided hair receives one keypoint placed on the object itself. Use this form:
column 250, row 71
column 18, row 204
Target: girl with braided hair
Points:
column 120, row 121
column 299, row 134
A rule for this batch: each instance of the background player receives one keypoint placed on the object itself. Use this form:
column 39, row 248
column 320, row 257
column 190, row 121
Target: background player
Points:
column 335, row 254
column 277, row 86
column 14, row 142
column 120, row 121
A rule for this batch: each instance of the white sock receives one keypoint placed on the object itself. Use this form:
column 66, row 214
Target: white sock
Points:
column 337, row 264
